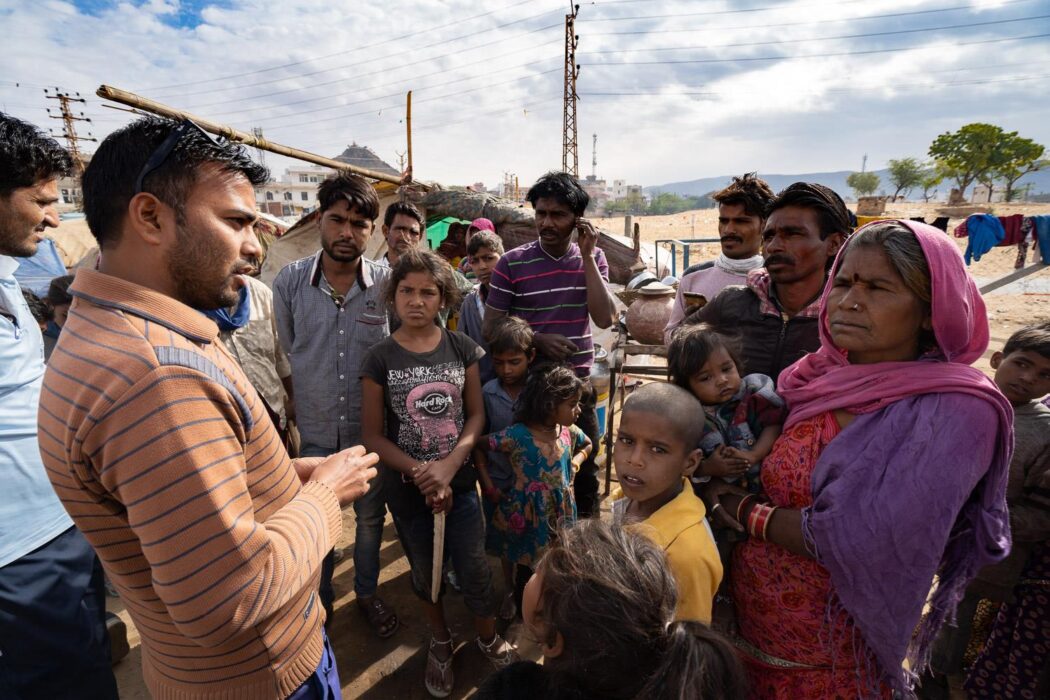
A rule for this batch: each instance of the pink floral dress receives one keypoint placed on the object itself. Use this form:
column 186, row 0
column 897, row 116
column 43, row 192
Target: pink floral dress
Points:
column 782, row 599
column 540, row 498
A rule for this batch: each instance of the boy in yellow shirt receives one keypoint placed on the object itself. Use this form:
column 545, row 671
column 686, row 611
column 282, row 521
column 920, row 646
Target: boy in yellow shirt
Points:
column 657, row 448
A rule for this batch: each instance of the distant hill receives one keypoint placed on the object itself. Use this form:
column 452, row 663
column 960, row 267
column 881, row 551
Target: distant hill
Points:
column 835, row 180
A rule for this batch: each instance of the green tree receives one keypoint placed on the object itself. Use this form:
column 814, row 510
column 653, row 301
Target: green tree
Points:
column 1018, row 157
column 931, row 177
column 905, row 174
column 863, row 184
column 968, row 154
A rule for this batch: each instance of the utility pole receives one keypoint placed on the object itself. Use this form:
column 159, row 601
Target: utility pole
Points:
column 864, row 163
column 594, row 158
column 570, row 161
column 68, row 122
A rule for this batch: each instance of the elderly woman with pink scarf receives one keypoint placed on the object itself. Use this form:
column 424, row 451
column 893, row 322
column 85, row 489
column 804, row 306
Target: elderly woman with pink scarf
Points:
column 890, row 472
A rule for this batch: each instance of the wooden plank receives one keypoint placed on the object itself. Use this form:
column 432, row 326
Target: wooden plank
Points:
column 1012, row 277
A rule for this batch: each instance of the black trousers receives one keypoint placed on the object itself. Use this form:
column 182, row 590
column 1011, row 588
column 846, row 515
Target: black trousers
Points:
column 585, row 484
column 53, row 640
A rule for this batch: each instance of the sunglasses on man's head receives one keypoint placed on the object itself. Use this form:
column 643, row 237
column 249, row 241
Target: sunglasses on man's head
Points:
column 164, row 150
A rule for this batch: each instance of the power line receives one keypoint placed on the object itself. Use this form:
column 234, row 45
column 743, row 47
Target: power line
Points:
column 780, row 25
column 439, row 72
column 428, row 59
column 399, row 93
column 712, row 13
column 363, row 75
column 400, row 104
column 815, row 55
column 855, row 88
column 592, row 93
column 823, row 38
column 597, row 52
column 368, row 46
column 397, row 105
column 437, row 125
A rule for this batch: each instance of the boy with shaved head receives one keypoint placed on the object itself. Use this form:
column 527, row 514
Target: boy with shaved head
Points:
column 656, row 451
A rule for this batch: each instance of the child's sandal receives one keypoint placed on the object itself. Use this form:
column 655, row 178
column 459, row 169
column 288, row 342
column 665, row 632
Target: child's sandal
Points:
column 499, row 651
column 444, row 688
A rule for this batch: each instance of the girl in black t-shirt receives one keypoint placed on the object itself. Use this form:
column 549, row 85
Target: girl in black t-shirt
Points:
column 422, row 412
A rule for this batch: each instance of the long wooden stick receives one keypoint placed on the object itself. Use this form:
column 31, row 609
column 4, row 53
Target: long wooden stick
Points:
column 1012, row 277
column 132, row 100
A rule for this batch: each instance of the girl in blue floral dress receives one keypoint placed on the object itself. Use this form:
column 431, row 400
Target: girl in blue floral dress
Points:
column 544, row 449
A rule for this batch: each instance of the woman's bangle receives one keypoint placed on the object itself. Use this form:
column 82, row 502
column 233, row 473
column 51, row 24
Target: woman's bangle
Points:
column 765, row 524
column 758, row 520
column 742, row 505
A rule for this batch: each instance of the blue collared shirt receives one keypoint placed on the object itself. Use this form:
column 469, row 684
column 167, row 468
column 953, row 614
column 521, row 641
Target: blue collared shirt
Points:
column 499, row 414
column 30, row 512
column 325, row 343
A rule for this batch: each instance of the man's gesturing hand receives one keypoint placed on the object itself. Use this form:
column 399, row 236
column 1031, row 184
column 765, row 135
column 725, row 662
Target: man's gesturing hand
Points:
column 347, row 473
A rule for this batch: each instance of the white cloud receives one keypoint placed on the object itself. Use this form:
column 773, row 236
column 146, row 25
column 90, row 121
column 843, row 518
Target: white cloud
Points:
column 487, row 99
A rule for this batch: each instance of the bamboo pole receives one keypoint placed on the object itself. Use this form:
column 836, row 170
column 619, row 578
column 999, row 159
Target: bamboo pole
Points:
column 408, row 127
column 132, row 100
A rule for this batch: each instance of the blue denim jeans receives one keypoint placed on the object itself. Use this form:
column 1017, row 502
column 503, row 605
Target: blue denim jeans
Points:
column 324, row 683
column 464, row 544
column 370, row 511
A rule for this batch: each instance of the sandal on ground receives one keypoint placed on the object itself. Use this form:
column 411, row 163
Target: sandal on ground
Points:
column 508, row 608
column 382, row 619
column 442, row 669
column 499, row 651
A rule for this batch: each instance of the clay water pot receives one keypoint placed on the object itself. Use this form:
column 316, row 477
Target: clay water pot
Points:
column 648, row 315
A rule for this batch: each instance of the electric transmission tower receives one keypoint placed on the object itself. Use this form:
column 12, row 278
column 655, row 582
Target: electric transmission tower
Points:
column 594, row 158
column 257, row 132
column 570, row 161
column 69, row 123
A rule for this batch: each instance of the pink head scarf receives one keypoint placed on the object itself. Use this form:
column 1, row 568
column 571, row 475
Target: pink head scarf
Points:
column 825, row 380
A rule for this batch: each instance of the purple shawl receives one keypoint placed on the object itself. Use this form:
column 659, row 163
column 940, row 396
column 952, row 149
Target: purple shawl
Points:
column 915, row 486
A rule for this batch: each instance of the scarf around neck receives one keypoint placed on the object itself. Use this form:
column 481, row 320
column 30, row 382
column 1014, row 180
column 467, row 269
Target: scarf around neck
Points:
column 230, row 320
column 738, row 267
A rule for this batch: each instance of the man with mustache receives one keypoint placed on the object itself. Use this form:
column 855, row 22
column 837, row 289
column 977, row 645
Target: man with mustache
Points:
column 403, row 227
column 330, row 311
column 741, row 217
column 558, row 287
column 776, row 313
column 53, row 641
column 161, row 450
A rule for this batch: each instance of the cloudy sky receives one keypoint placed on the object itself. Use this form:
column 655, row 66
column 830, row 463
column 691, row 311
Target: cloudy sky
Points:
column 675, row 89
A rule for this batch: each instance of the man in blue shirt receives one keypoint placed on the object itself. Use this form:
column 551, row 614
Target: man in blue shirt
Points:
column 53, row 641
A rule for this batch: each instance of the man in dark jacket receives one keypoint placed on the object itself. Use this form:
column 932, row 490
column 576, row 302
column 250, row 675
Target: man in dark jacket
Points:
column 775, row 315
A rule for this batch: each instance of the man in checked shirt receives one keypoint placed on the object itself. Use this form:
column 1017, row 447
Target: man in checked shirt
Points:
column 329, row 312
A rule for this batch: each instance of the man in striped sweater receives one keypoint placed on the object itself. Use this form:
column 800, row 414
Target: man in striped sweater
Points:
column 558, row 287
column 161, row 450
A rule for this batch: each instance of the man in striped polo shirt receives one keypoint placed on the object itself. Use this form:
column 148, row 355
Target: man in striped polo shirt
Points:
column 558, row 287
column 161, row 450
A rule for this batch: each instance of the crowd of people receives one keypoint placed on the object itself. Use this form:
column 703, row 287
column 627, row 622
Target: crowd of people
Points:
column 824, row 499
